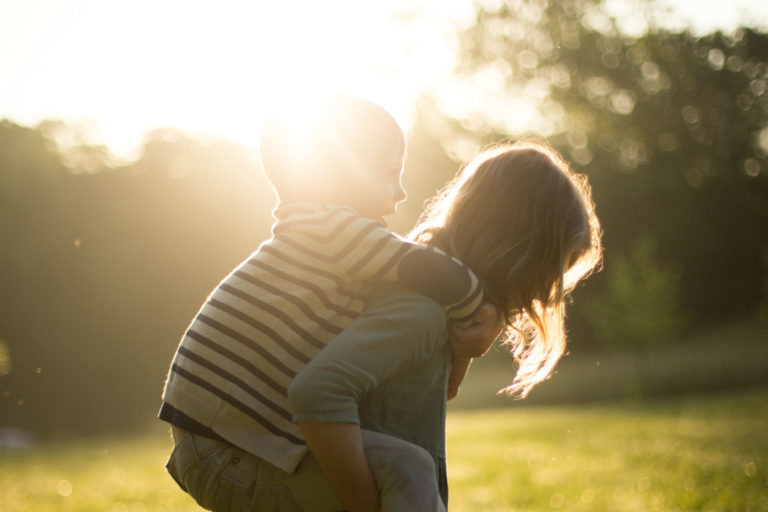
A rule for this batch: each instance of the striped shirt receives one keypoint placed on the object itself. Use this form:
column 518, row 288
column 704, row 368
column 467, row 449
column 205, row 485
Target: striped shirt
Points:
column 272, row 314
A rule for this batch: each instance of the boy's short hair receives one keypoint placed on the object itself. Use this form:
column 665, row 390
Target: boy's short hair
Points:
column 332, row 140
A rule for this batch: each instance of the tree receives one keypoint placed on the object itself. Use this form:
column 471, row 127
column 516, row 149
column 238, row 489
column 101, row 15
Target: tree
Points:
column 671, row 128
column 639, row 307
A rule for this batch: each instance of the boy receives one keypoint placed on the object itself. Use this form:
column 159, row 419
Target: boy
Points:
column 281, row 306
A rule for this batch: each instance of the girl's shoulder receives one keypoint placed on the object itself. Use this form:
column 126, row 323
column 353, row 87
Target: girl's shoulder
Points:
column 407, row 308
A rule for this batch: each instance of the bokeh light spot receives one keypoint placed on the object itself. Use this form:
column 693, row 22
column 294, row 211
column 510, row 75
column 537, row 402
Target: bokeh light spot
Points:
column 577, row 139
column 757, row 87
column 528, row 59
column 5, row 359
column 745, row 102
column 623, row 102
column 690, row 114
column 762, row 140
column 64, row 488
column 750, row 469
column 581, row 155
column 734, row 63
column 560, row 76
column 751, row 167
column 557, row 500
column 716, row 58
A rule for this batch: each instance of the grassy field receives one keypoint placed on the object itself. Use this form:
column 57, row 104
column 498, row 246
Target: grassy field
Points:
column 706, row 453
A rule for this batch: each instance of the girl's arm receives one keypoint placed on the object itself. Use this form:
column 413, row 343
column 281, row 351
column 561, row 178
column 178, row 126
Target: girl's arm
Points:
column 472, row 341
column 393, row 334
column 338, row 449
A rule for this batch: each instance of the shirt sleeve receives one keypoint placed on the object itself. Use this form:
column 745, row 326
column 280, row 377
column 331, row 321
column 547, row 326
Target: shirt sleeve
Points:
column 363, row 250
column 395, row 333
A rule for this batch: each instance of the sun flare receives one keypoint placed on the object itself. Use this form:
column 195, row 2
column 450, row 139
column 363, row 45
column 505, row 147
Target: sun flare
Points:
column 210, row 69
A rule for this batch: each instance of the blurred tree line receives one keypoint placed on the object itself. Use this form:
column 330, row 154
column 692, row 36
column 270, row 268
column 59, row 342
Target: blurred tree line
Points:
column 672, row 130
column 103, row 265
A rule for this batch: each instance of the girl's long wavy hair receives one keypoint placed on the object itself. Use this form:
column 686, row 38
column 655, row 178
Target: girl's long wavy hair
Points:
column 525, row 223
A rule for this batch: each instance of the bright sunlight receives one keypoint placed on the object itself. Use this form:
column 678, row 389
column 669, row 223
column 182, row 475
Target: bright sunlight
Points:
column 120, row 68
column 115, row 70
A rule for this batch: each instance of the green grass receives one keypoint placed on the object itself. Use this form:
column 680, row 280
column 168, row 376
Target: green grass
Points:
column 706, row 453
column 697, row 454
column 120, row 475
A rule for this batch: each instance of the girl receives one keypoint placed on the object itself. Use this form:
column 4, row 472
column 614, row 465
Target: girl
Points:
column 520, row 218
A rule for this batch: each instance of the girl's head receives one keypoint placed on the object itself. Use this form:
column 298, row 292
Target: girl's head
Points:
column 525, row 223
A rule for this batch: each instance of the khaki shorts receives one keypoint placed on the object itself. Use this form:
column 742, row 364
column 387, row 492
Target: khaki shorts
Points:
column 223, row 478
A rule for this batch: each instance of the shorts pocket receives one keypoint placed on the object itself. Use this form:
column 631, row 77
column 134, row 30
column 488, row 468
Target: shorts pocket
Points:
column 240, row 489
column 277, row 497
column 182, row 459
column 221, row 477
column 205, row 482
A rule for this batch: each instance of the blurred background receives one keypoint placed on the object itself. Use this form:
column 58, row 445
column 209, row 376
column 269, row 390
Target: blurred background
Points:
column 129, row 179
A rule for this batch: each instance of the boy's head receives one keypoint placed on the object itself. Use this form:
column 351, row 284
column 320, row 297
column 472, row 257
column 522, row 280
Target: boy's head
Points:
column 341, row 150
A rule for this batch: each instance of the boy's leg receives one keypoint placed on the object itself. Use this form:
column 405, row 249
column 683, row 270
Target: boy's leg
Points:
column 405, row 474
column 222, row 477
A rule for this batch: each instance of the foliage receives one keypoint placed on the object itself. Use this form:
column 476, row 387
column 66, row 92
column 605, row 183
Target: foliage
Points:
column 103, row 266
column 671, row 128
column 102, row 271
column 694, row 454
column 639, row 306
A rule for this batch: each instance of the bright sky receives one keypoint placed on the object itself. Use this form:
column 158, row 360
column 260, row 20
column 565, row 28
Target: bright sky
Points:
column 212, row 67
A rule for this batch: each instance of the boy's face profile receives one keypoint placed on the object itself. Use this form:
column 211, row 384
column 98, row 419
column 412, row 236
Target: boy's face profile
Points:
column 375, row 190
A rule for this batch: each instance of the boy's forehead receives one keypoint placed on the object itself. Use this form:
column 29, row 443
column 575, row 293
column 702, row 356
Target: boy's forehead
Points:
column 384, row 142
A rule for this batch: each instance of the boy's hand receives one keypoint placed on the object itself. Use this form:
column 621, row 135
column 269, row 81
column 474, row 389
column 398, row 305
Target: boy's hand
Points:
column 475, row 340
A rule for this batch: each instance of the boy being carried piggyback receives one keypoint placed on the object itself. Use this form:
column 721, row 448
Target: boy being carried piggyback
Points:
column 337, row 176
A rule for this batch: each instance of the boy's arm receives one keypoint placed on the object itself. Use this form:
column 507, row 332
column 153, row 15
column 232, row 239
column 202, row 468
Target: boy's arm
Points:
column 364, row 250
column 442, row 278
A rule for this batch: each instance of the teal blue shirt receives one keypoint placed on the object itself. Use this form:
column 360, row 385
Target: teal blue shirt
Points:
column 387, row 371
